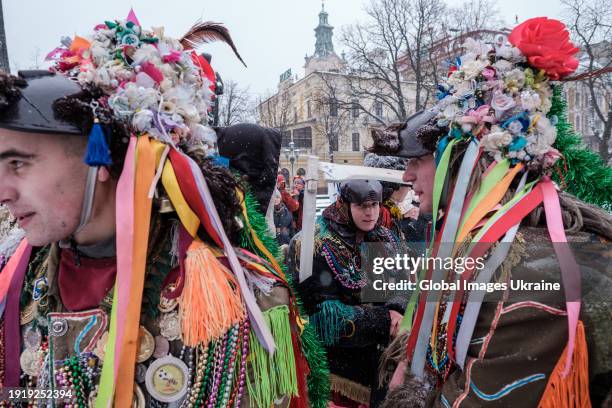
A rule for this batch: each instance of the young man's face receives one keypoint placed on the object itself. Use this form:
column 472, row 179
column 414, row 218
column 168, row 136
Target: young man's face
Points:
column 42, row 182
column 420, row 171
column 365, row 215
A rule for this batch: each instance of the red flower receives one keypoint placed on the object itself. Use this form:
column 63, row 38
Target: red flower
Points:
column 546, row 44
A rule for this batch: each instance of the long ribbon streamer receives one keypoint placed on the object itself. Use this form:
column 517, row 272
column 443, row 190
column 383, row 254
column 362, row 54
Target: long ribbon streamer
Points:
column 475, row 298
column 570, row 271
column 145, row 172
column 125, row 238
column 15, row 270
column 448, row 236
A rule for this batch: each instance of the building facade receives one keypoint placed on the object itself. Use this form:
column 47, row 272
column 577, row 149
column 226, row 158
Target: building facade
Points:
column 316, row 113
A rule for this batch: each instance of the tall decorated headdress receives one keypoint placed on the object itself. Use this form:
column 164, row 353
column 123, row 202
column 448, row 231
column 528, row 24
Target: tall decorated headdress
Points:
column 494, row 104
column 152, row 92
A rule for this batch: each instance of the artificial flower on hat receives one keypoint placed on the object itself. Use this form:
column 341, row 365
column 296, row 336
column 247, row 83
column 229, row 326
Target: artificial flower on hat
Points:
column 500, row 93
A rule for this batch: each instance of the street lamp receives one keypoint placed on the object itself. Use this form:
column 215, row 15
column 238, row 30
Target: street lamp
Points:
column 292, row 154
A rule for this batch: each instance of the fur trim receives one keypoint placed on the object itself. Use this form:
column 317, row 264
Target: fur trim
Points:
column 350, row 389
column 412, row 393
column 386, row 141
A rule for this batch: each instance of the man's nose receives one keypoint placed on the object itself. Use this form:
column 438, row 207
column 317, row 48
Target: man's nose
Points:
column 409, row 176
column 8, row 193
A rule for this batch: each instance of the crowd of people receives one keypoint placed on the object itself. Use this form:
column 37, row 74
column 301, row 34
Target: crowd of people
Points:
column 150, row 260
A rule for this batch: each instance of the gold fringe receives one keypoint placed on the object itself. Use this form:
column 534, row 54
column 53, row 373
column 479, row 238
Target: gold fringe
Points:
column 350, row 389
column 573, row 390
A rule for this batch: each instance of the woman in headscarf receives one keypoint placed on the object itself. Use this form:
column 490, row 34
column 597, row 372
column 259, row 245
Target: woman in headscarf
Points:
column 354, row 332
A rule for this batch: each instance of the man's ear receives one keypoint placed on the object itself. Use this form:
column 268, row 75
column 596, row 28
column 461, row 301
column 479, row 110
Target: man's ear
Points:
column 103, row 174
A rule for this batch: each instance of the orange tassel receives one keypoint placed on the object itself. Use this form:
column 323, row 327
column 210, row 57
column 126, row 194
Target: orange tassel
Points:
column 211, row 301
column 573, row 390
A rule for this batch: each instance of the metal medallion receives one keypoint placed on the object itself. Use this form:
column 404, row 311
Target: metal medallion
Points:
column 169, row 326
column 146, row 347
column 58, row 327
column 166, row 379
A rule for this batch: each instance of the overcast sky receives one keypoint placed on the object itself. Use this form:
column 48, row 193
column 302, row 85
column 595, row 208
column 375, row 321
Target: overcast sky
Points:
column 271, row 35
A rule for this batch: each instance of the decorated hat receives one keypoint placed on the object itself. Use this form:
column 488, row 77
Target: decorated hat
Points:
column 498, row 93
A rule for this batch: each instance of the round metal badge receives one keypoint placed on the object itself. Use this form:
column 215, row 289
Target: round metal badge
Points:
column 147, row 345
column 166, row 379
column 58, row 327
column 162, row 347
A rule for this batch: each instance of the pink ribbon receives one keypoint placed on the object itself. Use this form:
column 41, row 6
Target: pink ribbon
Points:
column 476, row 116
column 125, row 239
column 570, row 271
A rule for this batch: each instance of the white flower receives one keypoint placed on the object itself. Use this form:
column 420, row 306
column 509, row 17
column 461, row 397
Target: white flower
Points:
column 501, row 103
column 472, row 69
column 144, row 80
column 474, row 49
column 509, row 53
column 502, row 66
column 142, row 120
column 515, row 78
column 547, row 132
column 495, row 139
column 146, row 52
column 204, row 134
column 544, row 90
column 530, row 100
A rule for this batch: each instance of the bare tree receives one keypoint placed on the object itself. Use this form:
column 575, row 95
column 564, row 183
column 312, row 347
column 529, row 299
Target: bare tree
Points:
column 332, row 110
column 236, row 105
column 275, row 111
column 375, row 49
column 401, row 47
column 590, row 22
column 474, row 15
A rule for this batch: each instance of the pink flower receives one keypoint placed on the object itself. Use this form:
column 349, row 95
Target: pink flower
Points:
column 489, row 73
column 501, row 103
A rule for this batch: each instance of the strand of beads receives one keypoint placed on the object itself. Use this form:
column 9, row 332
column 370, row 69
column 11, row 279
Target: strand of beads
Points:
column 192, row 395
column 216, row 376
column 228, row 366
column 206, row 379
column 190, row 370
column 346, row 274
column 243, row 359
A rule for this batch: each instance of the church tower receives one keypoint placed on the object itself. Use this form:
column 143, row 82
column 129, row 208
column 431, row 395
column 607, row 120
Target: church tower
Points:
column 324, row 57
column 323, row 33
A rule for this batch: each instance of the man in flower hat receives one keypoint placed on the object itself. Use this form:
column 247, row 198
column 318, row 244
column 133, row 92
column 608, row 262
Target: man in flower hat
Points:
column 129, row 287
column 481, row 161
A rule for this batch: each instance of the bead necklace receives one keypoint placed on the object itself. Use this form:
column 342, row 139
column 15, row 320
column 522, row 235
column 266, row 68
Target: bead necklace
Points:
column 344, row 264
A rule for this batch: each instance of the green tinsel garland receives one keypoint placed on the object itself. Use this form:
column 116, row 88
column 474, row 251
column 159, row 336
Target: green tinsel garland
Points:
column 587, row 176
column 318, row 379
